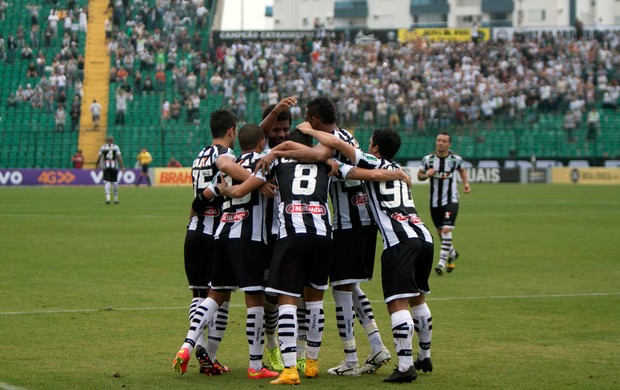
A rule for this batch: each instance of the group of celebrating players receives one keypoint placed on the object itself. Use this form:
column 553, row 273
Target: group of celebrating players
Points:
column 261, row 222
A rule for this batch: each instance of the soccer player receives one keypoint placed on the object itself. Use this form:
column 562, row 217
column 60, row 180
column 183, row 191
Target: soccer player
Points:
column 440, row 167
column 239, row 258
column 354, row 247
column 407, row 256
column 302, row 254
column 109, row 159
column 276, row 124
column 199, row 242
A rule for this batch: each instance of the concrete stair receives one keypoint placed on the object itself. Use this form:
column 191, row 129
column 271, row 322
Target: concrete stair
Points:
column 96, row 82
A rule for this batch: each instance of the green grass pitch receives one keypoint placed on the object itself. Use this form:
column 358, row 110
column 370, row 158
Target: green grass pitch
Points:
column 95, row 296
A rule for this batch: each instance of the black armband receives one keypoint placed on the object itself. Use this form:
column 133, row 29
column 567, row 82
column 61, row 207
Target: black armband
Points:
column 200, row 203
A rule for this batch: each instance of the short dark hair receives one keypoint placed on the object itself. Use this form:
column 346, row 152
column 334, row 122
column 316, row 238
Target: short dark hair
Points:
column 446, row 133
column 250, row 136
column 322, row 108
column 221, row 121
column 301, row 138
column 388, row 141
column 284, row 115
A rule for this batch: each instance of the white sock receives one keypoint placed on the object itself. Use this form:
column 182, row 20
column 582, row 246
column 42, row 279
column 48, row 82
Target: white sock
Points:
column 315, row 318
column 106, row 189
column 423, row 323
column 254, row 332
column 402, row 331
column 271, row 324
column 216, row 330
column 446, row 244
column 203, row 315
column 363, row 310
column 302, row 330
column 287, row 333
column 196, row 301
column 345, row 319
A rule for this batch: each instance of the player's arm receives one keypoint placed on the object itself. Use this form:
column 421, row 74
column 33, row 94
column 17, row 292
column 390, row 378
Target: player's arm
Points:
column 350, row 172
column 465, row 179
column 227, row 165
column 202, row 200
column 240, row 190
column 328, row 140
column 295, row 151
column 272, row 117
column 120, row 161
column 98, row 161
column 424, row 174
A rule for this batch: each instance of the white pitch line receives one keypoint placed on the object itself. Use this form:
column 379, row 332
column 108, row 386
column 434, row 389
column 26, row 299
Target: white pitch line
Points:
column 6, row 386
column 63, row 311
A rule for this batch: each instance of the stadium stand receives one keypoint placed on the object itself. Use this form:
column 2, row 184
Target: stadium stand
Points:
column 445, row 95
column 28, row 133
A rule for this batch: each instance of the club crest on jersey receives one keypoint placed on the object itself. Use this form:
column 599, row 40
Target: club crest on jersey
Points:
column 234, row 217
column 360, row 199
column 300, row 208
column 211, row 212
column 404, row 218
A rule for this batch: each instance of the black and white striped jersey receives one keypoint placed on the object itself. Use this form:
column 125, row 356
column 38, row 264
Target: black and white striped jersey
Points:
column 391, row 204
column 304, row 190
column 349, row 197
column 271, row 211
column 243, row 217
column 444, row 182
column 204, row 170
column 109, row 154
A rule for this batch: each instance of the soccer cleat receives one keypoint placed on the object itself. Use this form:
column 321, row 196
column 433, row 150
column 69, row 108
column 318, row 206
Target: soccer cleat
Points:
column 179, row 364
column 301, row 364
column 373, row 362
column 426, row 365
column 274, row 358
column 262, row 373
column 220, row 366
column 312, row 368
column 343, row 370
column 207, row 366
column 451, row 262
column 107, row 202
column 402, row 377
column 440, row 269
column 289, row 376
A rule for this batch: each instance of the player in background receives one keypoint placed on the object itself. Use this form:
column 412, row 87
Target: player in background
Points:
column 441, row 167
column 110, row 159
column 199, row 241
column 276, row 124
column 407, row 256
column 354, row 245
column 239, row 258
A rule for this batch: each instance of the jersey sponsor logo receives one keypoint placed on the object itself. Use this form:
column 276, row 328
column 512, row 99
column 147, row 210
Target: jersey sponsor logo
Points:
column 404, row 218
column 234, row 217
column 300, row 208
column 360, row 199
column 211, row 212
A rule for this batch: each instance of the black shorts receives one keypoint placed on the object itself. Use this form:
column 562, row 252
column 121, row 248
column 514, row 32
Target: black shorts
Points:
column 445, row 215
column 405, row 269
column 354, row 255
column 198, row 253
column 110, row 174
column 145, row 168
column 300, row 260
column 239, row 263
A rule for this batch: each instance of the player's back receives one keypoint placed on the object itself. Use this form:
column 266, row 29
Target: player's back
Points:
column 243, row 217
column 204, row 169
column 303, row 189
